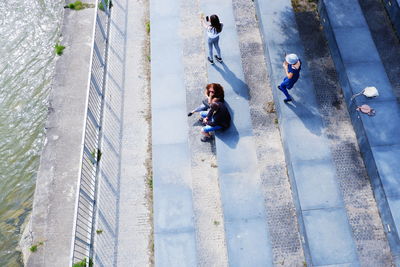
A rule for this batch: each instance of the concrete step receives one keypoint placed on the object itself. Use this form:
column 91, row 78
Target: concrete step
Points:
column 328, row 239
column 247, row 236
column 174, row 230
column 358, row 64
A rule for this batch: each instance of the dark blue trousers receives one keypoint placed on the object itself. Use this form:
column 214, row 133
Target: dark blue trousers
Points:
column 285, row 86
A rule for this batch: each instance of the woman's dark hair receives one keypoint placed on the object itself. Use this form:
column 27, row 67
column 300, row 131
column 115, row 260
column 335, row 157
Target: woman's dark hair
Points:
column 218, row 91
column 214, row 20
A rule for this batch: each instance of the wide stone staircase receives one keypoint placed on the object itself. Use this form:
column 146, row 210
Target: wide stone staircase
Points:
column 215, row 204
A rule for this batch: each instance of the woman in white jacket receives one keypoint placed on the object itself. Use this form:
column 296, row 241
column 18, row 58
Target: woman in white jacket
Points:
column 214, row 28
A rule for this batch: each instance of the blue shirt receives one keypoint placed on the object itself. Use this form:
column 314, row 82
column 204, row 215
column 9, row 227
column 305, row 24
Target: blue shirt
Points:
column 295, row 77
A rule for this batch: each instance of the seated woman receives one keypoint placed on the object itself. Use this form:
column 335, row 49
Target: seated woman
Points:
column 217, row 118
column 214, row 93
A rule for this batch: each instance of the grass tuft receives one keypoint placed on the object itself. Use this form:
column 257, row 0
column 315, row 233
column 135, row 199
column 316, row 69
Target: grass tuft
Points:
column 59, row 49
column 84, row 263
column 102, row 7
column 78, row 5
column 34, row 248
column 150, row 182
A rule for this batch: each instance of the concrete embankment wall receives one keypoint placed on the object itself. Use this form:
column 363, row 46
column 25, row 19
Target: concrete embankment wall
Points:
column 57, row 185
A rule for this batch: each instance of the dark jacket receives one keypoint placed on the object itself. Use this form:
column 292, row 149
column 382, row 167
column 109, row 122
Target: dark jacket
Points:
column 219, row 115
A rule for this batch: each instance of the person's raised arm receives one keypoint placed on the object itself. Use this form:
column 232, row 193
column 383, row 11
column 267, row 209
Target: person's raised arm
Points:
column 288, row 74
column 204, row 22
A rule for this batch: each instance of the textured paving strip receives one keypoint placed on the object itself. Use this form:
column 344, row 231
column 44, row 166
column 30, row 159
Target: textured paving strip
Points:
column 369, row 235
column 323, row 218
column 377, row 135
column 174, row 229
column 211, row 245
column 239, row 177
column 281, row 216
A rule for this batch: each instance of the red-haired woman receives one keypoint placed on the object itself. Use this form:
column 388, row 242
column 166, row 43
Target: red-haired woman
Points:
column 214, row 93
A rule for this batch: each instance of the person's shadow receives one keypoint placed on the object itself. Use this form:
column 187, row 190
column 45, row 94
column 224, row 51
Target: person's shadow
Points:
column 305, row 114
column 238, row 86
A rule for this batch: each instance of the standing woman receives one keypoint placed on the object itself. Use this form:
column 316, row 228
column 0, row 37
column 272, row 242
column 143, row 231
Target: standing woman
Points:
column 214, row 28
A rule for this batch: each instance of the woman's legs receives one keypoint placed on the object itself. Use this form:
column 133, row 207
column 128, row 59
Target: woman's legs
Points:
column 283, row 87
column 200, row 108
column 203, row 114
column 205, row 131
column 216, row 45
column 210, row 48
column 213, row 42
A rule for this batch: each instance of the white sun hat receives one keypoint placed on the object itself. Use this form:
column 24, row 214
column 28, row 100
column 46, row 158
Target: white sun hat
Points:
column 291, row 58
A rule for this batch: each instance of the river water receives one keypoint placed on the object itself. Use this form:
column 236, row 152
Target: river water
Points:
column 29, row 29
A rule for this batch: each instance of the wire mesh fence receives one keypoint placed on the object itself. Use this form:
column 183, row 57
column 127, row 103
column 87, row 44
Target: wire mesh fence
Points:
column 85, row 211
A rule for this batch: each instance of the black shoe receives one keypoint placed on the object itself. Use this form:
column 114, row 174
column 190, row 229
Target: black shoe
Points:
column 287, row 100
column 205, row 139
column 210, row 60
column 218, row 59
column 190, row 114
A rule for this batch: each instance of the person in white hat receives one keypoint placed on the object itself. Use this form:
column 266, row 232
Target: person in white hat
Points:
column 292, row 67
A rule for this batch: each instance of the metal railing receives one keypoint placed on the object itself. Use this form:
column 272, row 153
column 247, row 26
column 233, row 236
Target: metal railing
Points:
column 86, row 204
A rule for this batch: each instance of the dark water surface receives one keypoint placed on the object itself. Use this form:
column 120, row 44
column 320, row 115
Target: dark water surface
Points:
column 29, row 30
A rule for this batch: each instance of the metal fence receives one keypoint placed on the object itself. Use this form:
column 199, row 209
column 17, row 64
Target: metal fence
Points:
column 86, row 205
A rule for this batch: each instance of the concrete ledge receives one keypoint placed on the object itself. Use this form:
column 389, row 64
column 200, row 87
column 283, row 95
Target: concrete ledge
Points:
column 57, row 180
column 377, row 136
column 393, row 10
column 174, row 226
